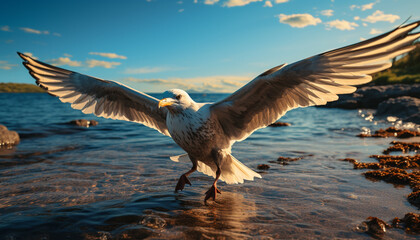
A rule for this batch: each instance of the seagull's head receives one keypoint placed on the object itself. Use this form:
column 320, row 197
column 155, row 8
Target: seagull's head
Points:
column 176, row 99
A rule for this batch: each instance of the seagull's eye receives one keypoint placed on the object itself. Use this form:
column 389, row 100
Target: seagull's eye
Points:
column 178, row 97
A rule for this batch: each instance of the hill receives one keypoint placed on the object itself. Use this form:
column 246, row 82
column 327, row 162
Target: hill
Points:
column 404, row 70
column 19, row 88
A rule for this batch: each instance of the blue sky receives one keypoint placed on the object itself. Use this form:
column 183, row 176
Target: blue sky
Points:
column 196, row 45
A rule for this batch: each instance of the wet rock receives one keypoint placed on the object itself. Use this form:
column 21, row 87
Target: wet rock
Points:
column 415, row 118
column 403, row 162
column 376, row 226
column 410, row 223
column 402, row 177
column 153, row 221
column 263, row 167
column 359, row 165
column 7, row 137
column 402, row 107
column 372, row 96
column 402, row 147
column 286, row 160
column 280, row 124
column 390, row 175
column 391, row 132
column 414, row 198
column 84, row 123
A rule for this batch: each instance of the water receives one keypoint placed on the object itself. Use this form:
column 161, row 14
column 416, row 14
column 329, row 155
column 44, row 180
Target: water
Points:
column 116, row 180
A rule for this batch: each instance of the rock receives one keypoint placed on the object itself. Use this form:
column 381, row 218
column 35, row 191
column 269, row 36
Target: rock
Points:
column 414, row 198
column 280, row 124
column 84, row 122
column 402, row 107
column 372, row 96
column 8, row 138
column 391, row 132
column 415, row 118
column 376, row 226
column 285, row 160
column 153, row 221
column 410, row 223
column 263, row 167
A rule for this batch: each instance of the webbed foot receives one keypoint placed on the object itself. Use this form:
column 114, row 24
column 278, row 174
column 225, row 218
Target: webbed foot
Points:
column 181, row 183
column 211, row 193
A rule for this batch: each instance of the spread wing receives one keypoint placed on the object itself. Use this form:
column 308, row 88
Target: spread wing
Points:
column 312, row 81
column 103, row 98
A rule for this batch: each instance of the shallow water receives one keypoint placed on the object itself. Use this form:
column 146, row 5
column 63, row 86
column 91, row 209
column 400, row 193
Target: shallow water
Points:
column 116, row 180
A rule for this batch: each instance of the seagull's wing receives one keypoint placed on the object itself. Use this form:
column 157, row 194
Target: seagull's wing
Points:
column 312, row 81
column 103, row 98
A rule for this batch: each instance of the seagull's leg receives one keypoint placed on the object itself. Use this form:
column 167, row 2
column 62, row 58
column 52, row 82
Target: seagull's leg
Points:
column 211, row 193
column 183, row 179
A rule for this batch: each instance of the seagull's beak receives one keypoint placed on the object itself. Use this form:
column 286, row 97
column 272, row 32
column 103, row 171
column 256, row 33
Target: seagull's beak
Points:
column 166, row 102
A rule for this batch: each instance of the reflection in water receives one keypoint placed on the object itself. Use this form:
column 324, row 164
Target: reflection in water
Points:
column 228, row 217
column 115, row 180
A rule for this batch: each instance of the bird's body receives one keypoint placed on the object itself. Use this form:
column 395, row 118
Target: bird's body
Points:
column 207, row 131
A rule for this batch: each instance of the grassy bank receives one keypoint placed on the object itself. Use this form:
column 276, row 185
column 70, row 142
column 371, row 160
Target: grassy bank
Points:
column 404, row 70
column 19, row 88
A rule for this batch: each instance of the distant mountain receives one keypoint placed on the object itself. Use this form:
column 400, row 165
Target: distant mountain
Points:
column 404, row 70
column 19, row 88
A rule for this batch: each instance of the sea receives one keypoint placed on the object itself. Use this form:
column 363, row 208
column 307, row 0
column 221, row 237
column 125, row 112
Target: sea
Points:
column 116, row 181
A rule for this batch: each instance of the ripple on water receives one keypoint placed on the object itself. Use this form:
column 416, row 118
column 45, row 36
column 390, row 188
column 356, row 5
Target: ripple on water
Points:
column 115, row 180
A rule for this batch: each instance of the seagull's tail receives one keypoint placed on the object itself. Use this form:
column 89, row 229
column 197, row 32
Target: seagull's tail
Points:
column 233, row 171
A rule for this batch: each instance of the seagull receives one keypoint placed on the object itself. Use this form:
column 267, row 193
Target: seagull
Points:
column 207, row 131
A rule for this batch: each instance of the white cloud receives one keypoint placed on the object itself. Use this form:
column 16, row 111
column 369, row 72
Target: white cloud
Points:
column 280, row 1
column 34, row 31
column 363, row 7
column 367, row 6
column 362, row 39
column 96, row 63
column 5, row 29
column 180, row 10
column 30, row 55
column 328, row 12
column 108, row 55
column 364, row 24
column 232, row 83
column 144, row 70
column 268, row 4
column 198, row 84
column 57, row 34
column 341, row 25
column 64, row 61
column 239, row 3
column 374, row 31
column 299, row 20
column 30, row 30
column 67, row 55
column 210, row 2
column 5, row 65
column 356, row 18
column 380, row 16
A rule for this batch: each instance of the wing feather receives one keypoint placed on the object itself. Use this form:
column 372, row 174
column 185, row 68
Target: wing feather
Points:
column 103, row 98
column 312, row 81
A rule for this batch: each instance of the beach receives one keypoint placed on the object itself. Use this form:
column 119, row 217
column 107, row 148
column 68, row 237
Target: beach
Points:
column 116, row 181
